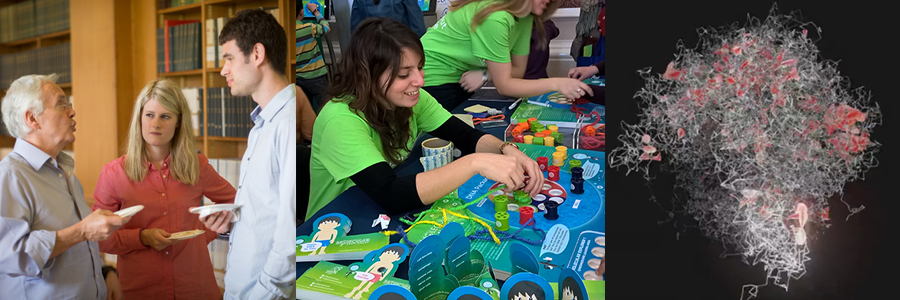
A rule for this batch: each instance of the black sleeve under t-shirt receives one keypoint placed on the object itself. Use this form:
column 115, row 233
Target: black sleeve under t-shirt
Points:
column 399, row 194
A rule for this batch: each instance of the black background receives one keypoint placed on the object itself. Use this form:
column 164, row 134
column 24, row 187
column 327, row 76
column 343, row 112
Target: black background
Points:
column 850, row 260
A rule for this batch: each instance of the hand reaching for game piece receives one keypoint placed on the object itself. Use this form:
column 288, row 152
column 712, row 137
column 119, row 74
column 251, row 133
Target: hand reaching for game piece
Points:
column 500, row 168
column 582, row 73
column 572, row 88
column 531, row 167
column 313, row 8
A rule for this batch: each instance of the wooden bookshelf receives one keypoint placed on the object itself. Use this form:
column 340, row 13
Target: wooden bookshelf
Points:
column 28, row 44
column 206, row 77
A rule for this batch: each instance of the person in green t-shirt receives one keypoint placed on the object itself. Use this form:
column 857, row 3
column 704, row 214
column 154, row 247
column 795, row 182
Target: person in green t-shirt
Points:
column 372, row 122
column 478, row 38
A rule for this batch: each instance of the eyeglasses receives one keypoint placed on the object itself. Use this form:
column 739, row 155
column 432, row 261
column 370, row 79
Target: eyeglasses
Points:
column 64, row 105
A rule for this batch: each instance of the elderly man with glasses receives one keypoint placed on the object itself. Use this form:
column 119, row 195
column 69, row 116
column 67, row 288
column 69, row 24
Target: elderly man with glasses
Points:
column 48, row 234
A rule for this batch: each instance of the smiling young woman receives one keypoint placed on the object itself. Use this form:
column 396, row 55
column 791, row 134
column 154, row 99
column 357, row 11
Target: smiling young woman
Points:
column 371, row 123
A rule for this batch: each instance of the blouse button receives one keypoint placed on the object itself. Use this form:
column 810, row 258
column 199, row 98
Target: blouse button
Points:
column 164, row 176
column 164, row 194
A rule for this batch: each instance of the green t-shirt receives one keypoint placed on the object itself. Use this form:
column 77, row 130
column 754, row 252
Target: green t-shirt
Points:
column 451, row 48
column 344, row 144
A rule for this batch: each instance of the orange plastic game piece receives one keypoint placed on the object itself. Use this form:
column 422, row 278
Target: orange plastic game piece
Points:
column 517, row 131
column 590, row 131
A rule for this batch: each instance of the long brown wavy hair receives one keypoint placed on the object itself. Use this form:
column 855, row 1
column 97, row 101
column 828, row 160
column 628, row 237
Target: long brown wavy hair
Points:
column 516, row 8
column 376, row 47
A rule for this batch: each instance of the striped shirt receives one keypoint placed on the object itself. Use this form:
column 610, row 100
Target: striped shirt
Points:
column 309, row 58
column 261, row 247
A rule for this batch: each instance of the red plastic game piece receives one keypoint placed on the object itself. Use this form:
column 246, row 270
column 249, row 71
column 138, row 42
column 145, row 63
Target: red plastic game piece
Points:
column 553, row 173
column 525, row 214
column 519, row 139
column 542, row 162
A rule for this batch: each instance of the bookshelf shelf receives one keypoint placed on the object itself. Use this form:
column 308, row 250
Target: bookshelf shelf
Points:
column 227, row 139
column 65, row 85
column 37, row 39
column 214, row 70
column 27, row 41
column 182, row 73
column 55, row 34
column 181, row 9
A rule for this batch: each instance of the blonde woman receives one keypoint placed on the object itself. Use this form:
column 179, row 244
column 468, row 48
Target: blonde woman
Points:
column 478, row 38
column 161, row 171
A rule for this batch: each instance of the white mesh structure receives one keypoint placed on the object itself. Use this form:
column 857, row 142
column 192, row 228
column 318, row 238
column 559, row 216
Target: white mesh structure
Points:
column 759, row 133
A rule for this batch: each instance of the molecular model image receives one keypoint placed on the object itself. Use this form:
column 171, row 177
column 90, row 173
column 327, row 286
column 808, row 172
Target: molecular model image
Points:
column 759, row 131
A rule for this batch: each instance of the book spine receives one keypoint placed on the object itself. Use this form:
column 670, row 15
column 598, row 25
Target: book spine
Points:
column 220, row 94
column 200, row 113
column 226, row 117
column 170, row 46
column 226, row 95
column 208, row 30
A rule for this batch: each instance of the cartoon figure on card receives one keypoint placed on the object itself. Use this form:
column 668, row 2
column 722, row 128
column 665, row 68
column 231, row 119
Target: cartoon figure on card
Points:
column 383, row 262
column 571, row 287
column 526, row 286
column 526, row 290
column 326, row 234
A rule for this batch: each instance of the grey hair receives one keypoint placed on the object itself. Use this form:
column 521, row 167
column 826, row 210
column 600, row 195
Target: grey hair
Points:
column 24, row 94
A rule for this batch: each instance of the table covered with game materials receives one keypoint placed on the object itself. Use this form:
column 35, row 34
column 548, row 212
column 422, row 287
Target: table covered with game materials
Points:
column 562, row 229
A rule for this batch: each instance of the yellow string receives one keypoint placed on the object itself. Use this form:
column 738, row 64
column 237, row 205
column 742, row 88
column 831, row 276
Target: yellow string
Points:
column 444, row 211
column 496, row 240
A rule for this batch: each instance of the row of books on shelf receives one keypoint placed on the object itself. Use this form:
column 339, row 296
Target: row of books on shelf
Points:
column 178, row 46
column 53, row 59
column 228, row 116
column 213, row 49
column 33, row 18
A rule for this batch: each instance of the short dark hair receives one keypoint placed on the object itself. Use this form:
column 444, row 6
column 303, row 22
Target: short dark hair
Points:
column 251, row 26
column 397, row 249
column 331, row 219
column 529, row 286
column 573, row 286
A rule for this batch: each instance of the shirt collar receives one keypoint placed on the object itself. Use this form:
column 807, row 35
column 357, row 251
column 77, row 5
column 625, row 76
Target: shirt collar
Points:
column 277, row 104
column 165, row 163
column 33, row 155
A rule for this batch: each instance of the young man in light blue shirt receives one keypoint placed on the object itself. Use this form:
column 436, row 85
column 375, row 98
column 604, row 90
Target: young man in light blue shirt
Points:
column 261, row 258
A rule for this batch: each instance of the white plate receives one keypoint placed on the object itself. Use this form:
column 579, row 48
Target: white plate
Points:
column 186, row 234
column 210, row 209
column 129, row 211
